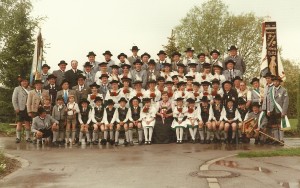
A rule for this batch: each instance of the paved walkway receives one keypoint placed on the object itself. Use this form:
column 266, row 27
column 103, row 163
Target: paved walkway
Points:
column 169, row 165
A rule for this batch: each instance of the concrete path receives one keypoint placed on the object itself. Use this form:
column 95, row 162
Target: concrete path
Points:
column 168, row 165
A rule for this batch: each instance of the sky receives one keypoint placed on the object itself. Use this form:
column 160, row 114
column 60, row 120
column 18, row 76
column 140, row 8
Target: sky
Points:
column 72, row 28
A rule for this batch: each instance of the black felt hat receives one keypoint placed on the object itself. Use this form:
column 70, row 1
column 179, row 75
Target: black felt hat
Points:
column 107, row 52
column 91, row 54
column 215, row 51
column 62, row 62
column 122, row 54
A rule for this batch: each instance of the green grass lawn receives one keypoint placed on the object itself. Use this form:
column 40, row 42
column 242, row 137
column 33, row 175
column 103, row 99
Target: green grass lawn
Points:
column 7, row 130
column 273, row 153
column 293, row 123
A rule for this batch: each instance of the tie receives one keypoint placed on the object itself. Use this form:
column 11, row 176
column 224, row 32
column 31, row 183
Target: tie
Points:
column 230, row 74
column 66, row 97
column 39, row 92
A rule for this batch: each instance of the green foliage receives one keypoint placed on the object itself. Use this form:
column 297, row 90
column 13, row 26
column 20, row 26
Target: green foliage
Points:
column 7, row 130
column 171, row 47
column 16, row 37
column 272, row 153
column 2, row 163
column 211, row 26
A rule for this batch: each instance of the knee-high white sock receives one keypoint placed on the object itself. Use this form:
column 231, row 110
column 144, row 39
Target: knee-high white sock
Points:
column 195, row 132
column 146, row 134
column 180, row 133
column 117, row 136
column 201, row 133
column 88, row 137
column 73, row 135
column 18, row 134
column 130, row 133
column 150, row 133
column 80, row 136
column 27, row 134
column 177, row 133
column 111, row 134
column 95, row 135
column 140, row 132
column 192, row 133
column 105, row 134
column 127, row 135
column 55, row 135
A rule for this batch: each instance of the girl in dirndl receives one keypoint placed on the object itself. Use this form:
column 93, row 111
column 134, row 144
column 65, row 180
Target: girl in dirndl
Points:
column 148, row 119
column 179, row 122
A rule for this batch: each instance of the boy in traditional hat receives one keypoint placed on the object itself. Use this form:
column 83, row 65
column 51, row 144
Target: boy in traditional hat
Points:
column 59, row 114
column 205, row 116
column 192, row 118
column 109, row 119
column 97, row 120
column 43, row 126
column 179, row 122
column 135, row 120
column 217, row 123
column 71, row 110
column 148, row 114
column 230, row 116
column 85, row 117
column 123, row 115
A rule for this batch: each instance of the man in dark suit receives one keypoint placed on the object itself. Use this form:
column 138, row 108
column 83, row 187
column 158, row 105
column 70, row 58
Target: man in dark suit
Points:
column 52, row 88
column 82, row 90
column 72, row 74
column 229, row 93
column 60, row 74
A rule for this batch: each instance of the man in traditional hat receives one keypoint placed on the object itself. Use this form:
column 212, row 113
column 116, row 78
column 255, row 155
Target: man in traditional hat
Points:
column 176, row 60
column 36, row 98
column 189, row 56
column 122, row 58
column 60, row 74
column 162, row 55
column 240, row 64
column 145, row 59
column 229, row 93
column 82, row 89
column 277, row 110
column 88, row 73
column 107, row 56
column 104, row 86
column 215, row 58
column 52, row 87
column 65, row 92
column 92, row 60
column 45, row 74
column 19, row 99
column 102, row 70
column 230, row 71
column 201, row 60
column 72, row 74
column 152, row 72
column 134, row 56
column 138, row 73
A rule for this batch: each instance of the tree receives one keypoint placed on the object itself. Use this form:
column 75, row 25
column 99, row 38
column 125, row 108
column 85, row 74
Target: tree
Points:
column 171, row 47
column 211, row 26
column 17, row 41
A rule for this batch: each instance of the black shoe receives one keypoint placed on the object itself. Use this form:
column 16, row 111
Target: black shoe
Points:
column 149, row 143
column 28, row 140
column 177, row 142
column 116, row 143
column 125, row 143
column 18, row 140
column 111, row 142
column 68, row 143
column 180, row 141
column 140, row 143
column 146, row 142
column 131, row 143
column 103, row 142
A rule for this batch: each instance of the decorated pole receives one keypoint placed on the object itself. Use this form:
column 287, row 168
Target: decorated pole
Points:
column 36, row 67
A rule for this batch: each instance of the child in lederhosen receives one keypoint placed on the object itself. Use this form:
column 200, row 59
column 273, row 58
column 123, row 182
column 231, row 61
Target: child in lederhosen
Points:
column 71, row 110
column 217, row 123
column 135, row 120
column 148, row 119
column 123, row 114
column 109, row 119
column 243, row 110
column 179, row 122
column 59, row 114
column 192, row 118
column 97, row 120
column 230, row 116
column 205, row 117
column 85, row 117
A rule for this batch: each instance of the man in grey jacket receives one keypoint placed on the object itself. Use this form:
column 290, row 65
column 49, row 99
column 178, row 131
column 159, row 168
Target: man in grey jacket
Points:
column 19, row 99
column 240, row 64
column 60, row 74
column 43, row 126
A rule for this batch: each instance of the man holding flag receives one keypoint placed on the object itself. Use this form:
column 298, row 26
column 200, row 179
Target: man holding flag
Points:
column 277, row 110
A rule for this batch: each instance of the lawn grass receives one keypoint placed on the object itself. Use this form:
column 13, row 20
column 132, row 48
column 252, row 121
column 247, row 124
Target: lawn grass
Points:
column 293, row 123
column 271, row 153
column 7, row 130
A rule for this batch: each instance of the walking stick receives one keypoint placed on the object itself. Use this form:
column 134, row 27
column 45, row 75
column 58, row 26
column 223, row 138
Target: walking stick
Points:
column 273, row 138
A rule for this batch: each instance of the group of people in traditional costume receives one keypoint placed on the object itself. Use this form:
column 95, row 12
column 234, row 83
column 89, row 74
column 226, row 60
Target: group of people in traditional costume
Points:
column 186, row 99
